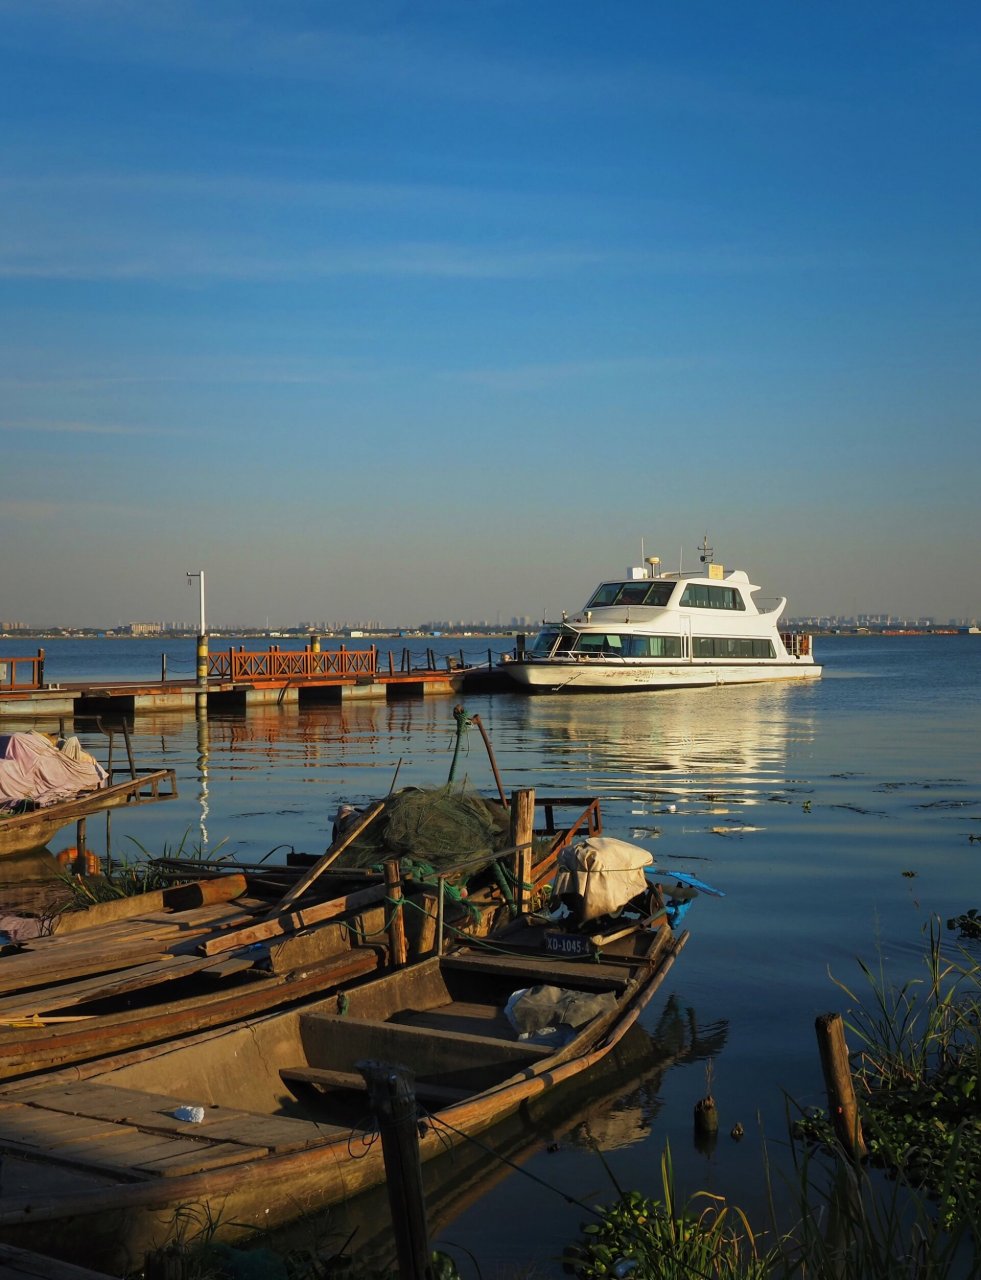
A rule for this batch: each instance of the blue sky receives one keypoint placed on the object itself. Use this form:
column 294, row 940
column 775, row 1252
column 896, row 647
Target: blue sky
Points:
column 401, row 310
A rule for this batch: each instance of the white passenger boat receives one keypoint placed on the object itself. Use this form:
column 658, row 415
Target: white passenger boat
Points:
column 655, row 630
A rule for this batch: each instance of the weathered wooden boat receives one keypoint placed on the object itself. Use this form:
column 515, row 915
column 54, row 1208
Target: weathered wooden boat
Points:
column 265, row 1121
column 48, row 782
column 137, row 971
column 146, row 969
column 35, row 827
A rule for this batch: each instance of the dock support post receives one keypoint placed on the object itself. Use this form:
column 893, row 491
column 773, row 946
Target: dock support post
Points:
column 521, row 837
column 392, row 1099
column 842, row 1105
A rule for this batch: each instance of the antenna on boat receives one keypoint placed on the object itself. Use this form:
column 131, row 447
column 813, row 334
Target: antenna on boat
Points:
column 707, row 551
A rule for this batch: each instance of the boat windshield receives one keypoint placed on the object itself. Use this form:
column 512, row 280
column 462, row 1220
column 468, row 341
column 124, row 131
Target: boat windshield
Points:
column 545, row 642
column 638, row 591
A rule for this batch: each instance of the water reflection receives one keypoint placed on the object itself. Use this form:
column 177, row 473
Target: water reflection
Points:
column 676, row 1039
column 204, row 750
column 269, row 776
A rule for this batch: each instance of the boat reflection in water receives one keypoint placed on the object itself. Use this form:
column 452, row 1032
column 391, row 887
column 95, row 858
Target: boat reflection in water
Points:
column 555, row 1141
column 731, row 746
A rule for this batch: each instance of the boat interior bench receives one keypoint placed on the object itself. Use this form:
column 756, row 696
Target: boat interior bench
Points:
column 581, row 975
column 443, row 1055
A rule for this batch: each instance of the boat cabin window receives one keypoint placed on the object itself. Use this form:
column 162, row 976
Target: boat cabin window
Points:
column 731, row 647
column 700, row 595
column 544, row 642
column 637, row 591
column 629, row 646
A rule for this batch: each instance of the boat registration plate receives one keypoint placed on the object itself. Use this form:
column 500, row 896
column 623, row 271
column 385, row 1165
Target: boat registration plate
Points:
column 568, row 944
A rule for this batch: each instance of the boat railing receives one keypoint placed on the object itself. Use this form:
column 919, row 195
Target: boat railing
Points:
column 797, row 643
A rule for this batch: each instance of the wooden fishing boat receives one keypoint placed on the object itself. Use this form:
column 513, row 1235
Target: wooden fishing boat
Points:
column 34, row 828
column 267, row 1120
column 142, row 970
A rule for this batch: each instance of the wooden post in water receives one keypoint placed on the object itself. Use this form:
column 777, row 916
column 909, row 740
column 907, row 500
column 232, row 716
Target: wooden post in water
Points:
column 396, row 926
column 838, row 1081
column 392, row 1100
column 81, row 862
column 521, row 837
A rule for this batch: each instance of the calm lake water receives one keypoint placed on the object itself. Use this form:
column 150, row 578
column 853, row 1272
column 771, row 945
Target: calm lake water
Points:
column 834, row 816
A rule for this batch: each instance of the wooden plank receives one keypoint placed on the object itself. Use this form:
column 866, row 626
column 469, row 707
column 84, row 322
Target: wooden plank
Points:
column 276, row 1133
column 562, row 973
column 293, row 921
column 97, row 1101
column 174, row 898
column 28, row 1128
column 393, row 1032
column 109, row 1146
column 194, row 1160
column 333, row 853
column 470, row 1019
column 425, row 1090
column 104, row 986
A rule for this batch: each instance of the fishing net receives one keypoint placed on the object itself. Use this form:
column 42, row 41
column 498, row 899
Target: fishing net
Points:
column 440, row 827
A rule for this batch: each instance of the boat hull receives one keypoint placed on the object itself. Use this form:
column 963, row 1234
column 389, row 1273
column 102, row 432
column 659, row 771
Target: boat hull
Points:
column 593, row 676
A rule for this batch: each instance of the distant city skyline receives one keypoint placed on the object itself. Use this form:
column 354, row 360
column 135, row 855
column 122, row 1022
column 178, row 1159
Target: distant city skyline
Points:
column 407, row 311
column 367, row 626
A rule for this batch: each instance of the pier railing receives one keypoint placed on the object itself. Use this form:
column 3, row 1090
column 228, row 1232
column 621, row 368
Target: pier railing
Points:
column 287, row 664
column 22, row 673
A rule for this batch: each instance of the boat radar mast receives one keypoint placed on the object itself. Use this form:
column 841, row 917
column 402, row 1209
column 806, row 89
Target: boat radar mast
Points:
column 707, row 552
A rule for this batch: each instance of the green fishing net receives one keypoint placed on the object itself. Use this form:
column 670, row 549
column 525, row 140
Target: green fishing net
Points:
column 440, row 826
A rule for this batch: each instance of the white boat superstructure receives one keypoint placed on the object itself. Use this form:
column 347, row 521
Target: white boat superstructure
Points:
column 654, row 630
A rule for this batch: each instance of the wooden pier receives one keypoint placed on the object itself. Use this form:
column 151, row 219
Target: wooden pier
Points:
column 236, row 678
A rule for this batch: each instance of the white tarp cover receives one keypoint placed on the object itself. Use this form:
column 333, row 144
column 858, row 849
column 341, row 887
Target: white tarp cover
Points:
column 34, row 768
column 603, row 873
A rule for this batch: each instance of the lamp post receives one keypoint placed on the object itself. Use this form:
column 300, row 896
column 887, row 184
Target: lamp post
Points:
column 202, row 650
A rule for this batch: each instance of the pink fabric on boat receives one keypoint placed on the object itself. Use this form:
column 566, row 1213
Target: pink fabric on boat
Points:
column 33, row 768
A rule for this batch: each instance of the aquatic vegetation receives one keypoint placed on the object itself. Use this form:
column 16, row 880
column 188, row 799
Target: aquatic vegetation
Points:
column 909, row 1211
column 640, row 1237
column 917, row 1068
column 127, row 877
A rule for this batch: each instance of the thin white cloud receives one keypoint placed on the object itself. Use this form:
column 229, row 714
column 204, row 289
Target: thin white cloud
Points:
column 240, row 189
column 193, row 263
